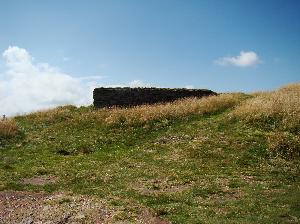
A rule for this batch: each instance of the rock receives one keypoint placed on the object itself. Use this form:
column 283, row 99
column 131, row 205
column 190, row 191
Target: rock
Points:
column 80, row 216
column 27, row 221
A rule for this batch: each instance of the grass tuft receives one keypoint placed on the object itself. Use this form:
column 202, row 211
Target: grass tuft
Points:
column 284, row 144
column 54, row 115
column 8, row 128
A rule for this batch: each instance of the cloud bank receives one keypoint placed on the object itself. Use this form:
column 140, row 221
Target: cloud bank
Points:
column 26, row 86
column 245, row 59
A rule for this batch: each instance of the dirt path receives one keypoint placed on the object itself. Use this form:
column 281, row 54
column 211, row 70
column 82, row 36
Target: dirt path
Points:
column 27, row 207
column 59, row 208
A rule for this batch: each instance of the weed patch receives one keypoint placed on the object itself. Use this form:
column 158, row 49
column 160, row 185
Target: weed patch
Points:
column 8, row 129
column 284, row 144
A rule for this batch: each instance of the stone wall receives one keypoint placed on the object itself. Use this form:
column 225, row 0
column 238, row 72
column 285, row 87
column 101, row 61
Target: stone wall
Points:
column 108, row 97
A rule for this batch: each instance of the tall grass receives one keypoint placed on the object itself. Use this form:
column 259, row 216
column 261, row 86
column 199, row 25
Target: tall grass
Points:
column 54, row 115
column 8, row 128
column 139, row 114
column 177, row 109
column 279, row 108
column 278, row 111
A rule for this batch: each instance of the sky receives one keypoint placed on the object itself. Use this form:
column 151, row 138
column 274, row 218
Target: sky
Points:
column 55, row 52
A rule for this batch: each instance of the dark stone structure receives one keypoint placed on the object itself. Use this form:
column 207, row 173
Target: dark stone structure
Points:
column 108, row 97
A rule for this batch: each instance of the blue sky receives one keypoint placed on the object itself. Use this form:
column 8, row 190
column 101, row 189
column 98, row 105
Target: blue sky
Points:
column 168, row 43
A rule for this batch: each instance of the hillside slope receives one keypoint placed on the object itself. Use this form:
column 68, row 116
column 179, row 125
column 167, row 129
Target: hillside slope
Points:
column 232, row 158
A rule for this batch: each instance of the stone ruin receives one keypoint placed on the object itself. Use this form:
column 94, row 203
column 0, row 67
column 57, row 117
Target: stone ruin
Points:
column 126, row 97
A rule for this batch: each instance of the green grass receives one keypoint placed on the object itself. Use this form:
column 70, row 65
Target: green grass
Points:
column 198, row 169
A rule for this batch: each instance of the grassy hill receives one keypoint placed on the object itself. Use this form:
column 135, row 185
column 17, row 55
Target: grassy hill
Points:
column 232, row 158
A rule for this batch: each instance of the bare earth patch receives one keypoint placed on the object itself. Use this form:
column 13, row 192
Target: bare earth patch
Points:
column 28, row 207
column 148, row 218
column 42, row 208
column 40, row 180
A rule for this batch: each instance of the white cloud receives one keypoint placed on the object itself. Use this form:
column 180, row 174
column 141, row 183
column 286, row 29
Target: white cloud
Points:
column 26, row 86
column 138, row 83
column 245, row 59
column 132, row 84
column 189, row 87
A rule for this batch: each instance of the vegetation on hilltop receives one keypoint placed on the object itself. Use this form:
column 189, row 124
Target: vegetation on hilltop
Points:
column 8, row 128
column 278, row 111
column 231, row 158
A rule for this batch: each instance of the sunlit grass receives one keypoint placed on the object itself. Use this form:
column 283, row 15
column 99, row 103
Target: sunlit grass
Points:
column 8, row 128
column 144, row 113
column 187, row 161
column 279, row 112
column 174, row 110
column 280, row 108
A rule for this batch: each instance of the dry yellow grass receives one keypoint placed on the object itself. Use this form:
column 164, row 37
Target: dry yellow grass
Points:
column 282, row 106
column 177, row 109
column 8, row 128
column 52, row 115
column 294, row 87
column 141, row 114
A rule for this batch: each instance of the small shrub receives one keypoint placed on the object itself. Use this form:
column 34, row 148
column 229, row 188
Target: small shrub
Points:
column 8, row 128
column 284, row 144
